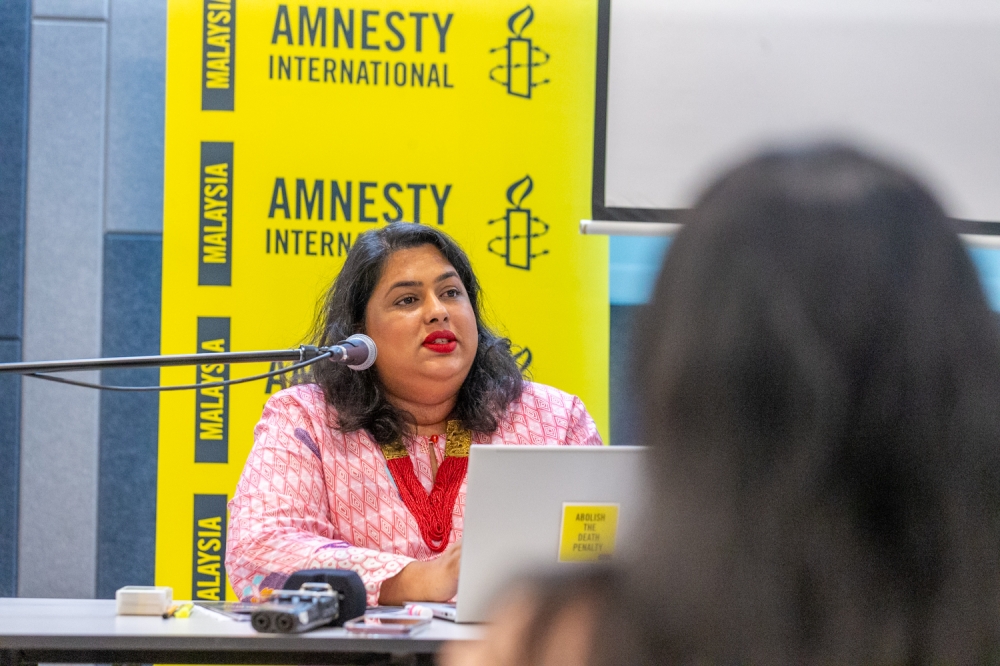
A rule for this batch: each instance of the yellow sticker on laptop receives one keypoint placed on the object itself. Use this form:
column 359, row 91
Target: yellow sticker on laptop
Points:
column 588, row 532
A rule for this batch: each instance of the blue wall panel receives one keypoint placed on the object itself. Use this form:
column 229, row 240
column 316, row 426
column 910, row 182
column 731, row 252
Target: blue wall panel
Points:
column 622, row 389
column 15, row 29
column 10, row 444
column 987, row 262
column 634, row 264
column 126, row 549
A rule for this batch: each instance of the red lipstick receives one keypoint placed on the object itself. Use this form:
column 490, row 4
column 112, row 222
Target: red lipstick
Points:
column 442, row 342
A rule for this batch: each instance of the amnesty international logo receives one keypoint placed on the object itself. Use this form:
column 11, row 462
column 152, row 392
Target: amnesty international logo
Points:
column 518, row 73
column 519, row 228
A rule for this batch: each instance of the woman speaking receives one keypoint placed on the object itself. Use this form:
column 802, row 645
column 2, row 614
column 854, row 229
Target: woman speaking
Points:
column 366, row 470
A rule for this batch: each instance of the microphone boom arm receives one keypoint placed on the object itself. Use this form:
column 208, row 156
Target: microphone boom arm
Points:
column 357, row 352
column 300, row 355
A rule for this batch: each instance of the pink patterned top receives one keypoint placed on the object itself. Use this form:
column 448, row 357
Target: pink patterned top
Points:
column 311, row 496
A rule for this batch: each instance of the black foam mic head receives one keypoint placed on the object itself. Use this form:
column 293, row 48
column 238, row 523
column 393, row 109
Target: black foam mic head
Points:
column 353, row 600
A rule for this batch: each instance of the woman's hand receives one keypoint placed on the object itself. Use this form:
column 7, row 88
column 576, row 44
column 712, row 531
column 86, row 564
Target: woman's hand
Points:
column 433, row 580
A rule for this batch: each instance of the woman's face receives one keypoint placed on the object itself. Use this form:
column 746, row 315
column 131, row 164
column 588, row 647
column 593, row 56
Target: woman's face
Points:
column 424, row 327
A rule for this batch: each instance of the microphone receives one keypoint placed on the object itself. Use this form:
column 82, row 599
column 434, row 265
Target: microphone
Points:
column 358, row 352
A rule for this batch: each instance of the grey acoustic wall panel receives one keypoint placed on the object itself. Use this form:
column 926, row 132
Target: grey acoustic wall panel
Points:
column 135, row 115
column 70, row 9
column 58, row 507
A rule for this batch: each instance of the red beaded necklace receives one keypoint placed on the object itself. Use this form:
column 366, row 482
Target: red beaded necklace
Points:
column 432, row 511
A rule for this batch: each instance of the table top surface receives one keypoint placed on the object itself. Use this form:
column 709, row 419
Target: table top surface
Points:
column 81, row 624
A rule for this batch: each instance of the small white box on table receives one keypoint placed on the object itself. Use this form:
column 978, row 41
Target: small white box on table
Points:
column 143, row 600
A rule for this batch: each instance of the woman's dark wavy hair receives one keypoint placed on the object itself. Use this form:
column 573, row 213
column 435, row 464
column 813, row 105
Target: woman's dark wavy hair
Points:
column 494, row 381
column 821, row 376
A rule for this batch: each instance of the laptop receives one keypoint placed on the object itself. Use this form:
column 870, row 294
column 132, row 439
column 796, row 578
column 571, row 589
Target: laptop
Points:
column 531, row 508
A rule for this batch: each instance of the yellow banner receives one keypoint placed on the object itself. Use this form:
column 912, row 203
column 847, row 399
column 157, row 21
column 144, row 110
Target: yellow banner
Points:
column 293, row 127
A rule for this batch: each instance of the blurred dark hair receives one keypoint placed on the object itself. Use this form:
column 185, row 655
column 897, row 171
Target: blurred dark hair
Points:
column 494, row 381
column 820, row 373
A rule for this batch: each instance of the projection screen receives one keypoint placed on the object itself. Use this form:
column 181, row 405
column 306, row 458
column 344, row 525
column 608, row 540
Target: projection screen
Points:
column 694, row 85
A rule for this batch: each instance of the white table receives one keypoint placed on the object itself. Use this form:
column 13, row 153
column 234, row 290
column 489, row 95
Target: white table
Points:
column 88, row 631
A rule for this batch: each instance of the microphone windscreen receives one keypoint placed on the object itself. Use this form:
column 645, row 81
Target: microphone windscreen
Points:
column 361, row 352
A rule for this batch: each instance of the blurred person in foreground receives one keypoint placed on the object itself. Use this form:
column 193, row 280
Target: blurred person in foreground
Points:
column 820, row 373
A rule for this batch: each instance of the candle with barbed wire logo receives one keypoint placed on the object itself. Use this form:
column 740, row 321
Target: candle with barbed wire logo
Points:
column 522, row 57
column 519, row 228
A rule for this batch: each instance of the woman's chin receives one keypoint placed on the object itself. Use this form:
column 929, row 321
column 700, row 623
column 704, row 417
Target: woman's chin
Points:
column 444, row 368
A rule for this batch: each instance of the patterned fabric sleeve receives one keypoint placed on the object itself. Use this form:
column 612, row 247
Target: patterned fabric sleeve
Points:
column 582, row 431
column 279, row 516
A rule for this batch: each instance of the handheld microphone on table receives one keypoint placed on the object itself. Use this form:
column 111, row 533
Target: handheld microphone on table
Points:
column 357, row 352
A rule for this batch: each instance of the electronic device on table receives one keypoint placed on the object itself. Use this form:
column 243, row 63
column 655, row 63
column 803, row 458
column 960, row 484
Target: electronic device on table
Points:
column 234, row 610
column 310, row 598
column 442, row 611
column 294, row 611
column 537, row 507
column 390, row 624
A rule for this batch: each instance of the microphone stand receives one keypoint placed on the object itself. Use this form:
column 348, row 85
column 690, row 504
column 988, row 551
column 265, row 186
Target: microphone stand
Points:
column 304, row 356
column 303, row 353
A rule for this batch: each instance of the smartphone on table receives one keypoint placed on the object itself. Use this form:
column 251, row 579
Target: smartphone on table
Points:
column 387, row 625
